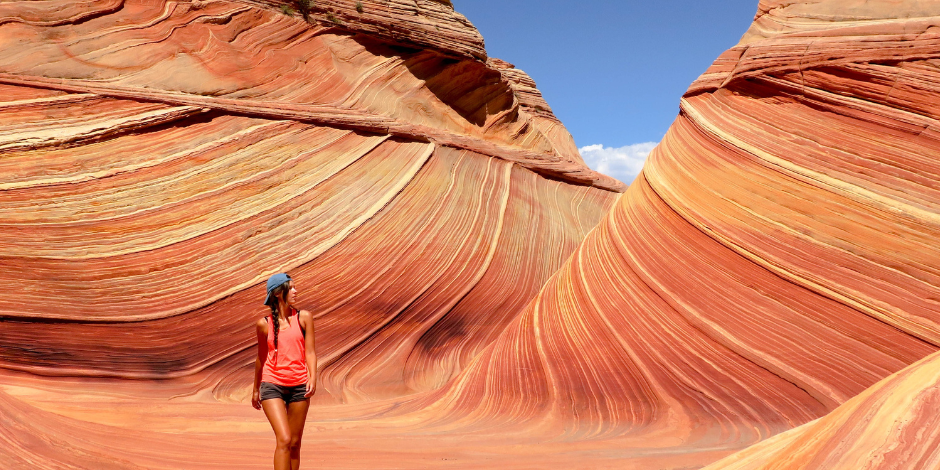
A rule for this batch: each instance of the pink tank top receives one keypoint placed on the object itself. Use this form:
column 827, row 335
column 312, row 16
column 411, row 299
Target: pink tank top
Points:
column 287, row 366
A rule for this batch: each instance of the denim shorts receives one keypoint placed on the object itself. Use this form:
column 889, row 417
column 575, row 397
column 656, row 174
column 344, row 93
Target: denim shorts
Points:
column 288, row 394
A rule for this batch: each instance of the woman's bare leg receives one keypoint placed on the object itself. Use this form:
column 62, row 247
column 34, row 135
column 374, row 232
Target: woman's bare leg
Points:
column 296, row 417
column 276, row 412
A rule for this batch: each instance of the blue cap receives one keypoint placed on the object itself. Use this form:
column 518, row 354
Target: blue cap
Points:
column 273, row 282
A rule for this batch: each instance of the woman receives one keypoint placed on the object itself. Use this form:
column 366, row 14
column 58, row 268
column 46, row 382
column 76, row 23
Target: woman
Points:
column 285, row 369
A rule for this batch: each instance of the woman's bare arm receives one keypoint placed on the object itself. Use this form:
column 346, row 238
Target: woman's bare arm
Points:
column 262, row 333
column 306, row 320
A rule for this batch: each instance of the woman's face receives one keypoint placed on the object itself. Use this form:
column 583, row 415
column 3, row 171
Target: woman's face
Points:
column 291, row 294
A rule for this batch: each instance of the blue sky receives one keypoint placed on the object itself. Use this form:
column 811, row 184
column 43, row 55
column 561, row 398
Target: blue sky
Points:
column 612, row 71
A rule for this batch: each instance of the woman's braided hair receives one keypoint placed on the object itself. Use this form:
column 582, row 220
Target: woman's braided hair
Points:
column 279, row 294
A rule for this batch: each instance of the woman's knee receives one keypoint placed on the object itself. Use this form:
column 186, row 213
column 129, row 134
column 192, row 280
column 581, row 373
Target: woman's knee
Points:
column 284, row 441
column 295, row 444
column 289, row 442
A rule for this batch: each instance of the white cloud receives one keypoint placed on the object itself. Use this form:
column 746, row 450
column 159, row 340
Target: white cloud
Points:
column 623, row 163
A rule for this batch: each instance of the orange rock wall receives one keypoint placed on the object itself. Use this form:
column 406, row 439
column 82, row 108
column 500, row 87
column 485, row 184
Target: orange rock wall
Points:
column 162, row 158
column 775, row 259
column 892, row 424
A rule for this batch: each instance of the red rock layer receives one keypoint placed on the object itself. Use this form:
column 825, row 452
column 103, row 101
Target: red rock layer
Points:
column 424, row 23
column 891, row 425
column 251, row 59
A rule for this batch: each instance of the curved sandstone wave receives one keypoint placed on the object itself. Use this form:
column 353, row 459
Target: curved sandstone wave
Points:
column 482, row 298
column 893, row 424
column 776, row 258
column 161, row 159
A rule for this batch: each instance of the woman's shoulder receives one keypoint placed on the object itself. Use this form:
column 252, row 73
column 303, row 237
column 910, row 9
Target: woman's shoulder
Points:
column 306, row 318
column 262, row 324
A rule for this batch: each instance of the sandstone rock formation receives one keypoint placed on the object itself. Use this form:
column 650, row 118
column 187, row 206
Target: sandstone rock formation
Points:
column 893, row 424
column 475, row 306
column 162, row 158
column 776, row 258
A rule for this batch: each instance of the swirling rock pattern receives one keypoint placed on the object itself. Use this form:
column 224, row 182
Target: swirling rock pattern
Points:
column 892, row 424
column 160, row 159
column 267, row 144
column 482, row 298
column 776, row 258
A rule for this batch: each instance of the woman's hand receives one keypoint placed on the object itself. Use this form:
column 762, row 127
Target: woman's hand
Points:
column 256, row 399
column 311, row 387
